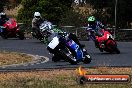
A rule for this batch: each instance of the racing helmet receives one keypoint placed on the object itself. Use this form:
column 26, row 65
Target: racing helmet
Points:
column 37, row 15
column 2, row 15
column 91, row 20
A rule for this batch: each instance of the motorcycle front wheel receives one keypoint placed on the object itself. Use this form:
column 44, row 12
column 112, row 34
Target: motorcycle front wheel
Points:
column 55, row 58
column 68, row 57
column 112, row 46
column 4, row 35
column 117, row 50
column 87, row 58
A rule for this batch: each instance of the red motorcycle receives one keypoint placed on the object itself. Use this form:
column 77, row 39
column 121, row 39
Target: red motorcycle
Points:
column 107, row 42
column 10, row 29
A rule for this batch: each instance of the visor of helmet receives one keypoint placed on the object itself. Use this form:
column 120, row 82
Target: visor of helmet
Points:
column 3, row 16
column 37, row 16
column 91, row 22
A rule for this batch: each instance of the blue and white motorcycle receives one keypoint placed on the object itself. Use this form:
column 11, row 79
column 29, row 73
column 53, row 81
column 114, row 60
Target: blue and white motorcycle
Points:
column 67, row 50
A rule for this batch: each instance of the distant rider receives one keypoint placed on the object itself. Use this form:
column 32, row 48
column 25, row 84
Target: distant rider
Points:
column 95, row 28
column 36, row 21
column 3, row 19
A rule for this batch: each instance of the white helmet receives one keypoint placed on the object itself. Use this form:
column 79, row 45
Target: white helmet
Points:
column 37, row 15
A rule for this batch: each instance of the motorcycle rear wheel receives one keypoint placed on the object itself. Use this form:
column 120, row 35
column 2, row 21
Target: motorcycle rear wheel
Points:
column 3, row 35
column 117, row 50
column 56, row 58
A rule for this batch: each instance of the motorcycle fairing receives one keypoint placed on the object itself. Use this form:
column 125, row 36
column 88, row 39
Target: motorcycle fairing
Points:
column 11, row 24
column 76, row 48
column 105, row 36
column 54, row 43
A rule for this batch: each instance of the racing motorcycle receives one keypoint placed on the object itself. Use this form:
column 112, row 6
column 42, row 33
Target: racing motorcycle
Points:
column 106, row 42
column 66, row 49
column 42, row 34
column 10, row 29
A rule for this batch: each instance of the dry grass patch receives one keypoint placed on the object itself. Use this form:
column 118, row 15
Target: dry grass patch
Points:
column 59, row 78
column 8, row 58
column 47, row 75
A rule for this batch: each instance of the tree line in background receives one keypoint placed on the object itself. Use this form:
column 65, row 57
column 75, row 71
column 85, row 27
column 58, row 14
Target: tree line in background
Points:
column 2, row 4
column 51, row 10
column 61, row 12
column 124, row 8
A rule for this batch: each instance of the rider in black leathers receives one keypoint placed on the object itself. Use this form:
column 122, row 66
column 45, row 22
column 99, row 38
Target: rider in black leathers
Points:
column 3, row 19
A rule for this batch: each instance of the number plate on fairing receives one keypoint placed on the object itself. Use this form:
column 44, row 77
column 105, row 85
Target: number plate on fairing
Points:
column 54, row 43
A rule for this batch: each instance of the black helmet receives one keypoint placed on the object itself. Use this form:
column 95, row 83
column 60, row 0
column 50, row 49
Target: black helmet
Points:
column 2, row 15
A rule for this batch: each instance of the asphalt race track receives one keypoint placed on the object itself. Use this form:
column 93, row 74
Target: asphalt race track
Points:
column 33, row 46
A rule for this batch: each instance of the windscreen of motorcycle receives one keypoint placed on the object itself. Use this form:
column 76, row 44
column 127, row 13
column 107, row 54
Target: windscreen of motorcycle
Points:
column 45, row 26
column 42, row 27
column 54, row 43
column 11, row 23
column 110, row 36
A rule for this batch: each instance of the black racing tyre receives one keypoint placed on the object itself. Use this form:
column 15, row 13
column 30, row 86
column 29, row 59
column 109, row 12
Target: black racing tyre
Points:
column 87, row 59
column 55, row 59
column 3, row 35
column 117, row 50
column 68, row 57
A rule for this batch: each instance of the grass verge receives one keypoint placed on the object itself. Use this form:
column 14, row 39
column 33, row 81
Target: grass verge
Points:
column 59, row 78
column 9, row 58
